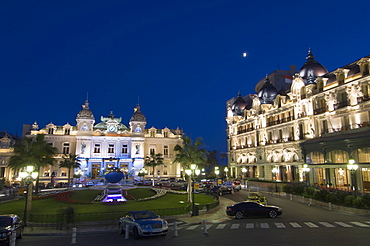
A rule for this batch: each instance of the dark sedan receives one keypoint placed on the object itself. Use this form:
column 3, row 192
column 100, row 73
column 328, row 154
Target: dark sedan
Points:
column 249, row 208
column 10, row 223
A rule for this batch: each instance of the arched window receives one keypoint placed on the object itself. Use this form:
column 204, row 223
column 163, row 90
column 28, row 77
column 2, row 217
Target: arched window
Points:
column 337, row 156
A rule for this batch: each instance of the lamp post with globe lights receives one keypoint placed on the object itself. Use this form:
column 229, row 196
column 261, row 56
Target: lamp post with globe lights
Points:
column 244, row 171
column 226, row 170
column 352, row 167
column 275, row 172
column 28, row 175
column 306, row 170
column 191, row 173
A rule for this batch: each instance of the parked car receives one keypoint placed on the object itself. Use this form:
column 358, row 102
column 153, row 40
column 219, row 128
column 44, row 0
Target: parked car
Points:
column 222, row 189
column 250, row 208
column 89, row 183
column 257, row 198
column 143, row 223
column 179, row 183
column 237, row 185
column 10, row 223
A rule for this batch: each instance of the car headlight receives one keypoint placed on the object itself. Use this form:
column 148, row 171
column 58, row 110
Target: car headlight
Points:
column 3, row 235
column 145, row 226
column 165, row 223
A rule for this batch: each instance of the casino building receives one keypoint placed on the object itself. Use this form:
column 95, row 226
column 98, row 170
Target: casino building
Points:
column 313, row 127
column 109, row 144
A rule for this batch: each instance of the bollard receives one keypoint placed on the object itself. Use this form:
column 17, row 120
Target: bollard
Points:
column 74, row 233
column 291, row 197
column 175, row 233
column 13, row 238
column 302, row 199
column 310, row 202
column 127, row 233
column 204, row 227
column 329, row 205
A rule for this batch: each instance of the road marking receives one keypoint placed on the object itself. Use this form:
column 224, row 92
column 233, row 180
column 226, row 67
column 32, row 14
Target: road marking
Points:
column 250, row 226
column 326, row 224
column 360, row 224
column 310, row 224
column 208, row 226
column 280, row 225
column 220, row 226
column 190, row 228
column 343, row 224
column 265, row 225
column 295, row 225
column 235, row 226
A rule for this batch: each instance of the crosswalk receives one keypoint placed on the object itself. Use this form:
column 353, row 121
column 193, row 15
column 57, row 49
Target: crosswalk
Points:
column 277, row 225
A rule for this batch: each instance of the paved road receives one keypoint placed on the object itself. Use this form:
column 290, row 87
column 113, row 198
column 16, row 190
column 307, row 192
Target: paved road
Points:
column 300, row 224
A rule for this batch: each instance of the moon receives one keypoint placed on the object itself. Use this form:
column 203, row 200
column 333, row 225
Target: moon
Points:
column 245, row 54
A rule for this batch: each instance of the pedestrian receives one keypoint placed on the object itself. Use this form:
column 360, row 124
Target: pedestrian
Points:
column 60, row 218
column 69, row 215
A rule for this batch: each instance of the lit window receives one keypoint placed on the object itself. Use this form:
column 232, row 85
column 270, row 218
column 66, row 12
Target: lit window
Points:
column 65, row 148
column 124, row 149
column 111, row 148
column 97, row 148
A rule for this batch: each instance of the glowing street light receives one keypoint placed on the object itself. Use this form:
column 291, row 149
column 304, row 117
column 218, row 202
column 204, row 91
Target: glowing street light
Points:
column 28, row 175
column 353, row 168
column 191, row 173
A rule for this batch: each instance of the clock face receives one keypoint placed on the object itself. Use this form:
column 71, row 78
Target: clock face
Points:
column 138, row 129
column 84, row 127
column 112, row 128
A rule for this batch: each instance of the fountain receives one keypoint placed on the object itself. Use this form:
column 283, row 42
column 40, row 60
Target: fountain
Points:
column 113, row 191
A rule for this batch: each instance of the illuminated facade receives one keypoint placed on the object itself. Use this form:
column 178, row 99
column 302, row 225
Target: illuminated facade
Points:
column 309, row 133
column 7, row 142
column 109, row 144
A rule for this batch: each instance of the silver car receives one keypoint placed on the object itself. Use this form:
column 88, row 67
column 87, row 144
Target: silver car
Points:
column 143, row 223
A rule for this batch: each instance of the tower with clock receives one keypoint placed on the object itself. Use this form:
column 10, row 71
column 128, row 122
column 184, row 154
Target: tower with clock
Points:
column 85, row 120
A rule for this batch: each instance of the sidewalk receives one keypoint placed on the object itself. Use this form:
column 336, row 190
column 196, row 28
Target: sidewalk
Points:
column 214, row 215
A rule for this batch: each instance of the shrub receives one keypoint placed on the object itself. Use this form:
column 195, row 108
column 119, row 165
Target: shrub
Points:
column 349, row 200
column 320, row 195
column 332, row 197
column 366, row 200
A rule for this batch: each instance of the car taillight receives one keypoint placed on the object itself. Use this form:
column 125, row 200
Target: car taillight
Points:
column 228, row 209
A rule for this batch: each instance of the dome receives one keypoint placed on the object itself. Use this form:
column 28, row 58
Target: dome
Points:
column 268, row 92
column 239, row 105
column 85, row 112
column 311, row 69
column 138, row 116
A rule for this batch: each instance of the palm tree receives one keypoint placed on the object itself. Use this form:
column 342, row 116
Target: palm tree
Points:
column 190, row 153
column 154, row 160
column 70, row 162
column 212, row 160
column 34, row 152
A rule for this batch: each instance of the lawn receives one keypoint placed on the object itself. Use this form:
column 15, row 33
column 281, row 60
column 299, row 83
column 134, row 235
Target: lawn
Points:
column 166, row 205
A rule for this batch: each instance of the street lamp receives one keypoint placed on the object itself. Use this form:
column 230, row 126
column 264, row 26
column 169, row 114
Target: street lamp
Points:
column 226, row 170
column 275, row 171
column 352, row 167
column 192, row 172
column 305, row 170
column 217, row 172
column 28, row 175
column 244, row 171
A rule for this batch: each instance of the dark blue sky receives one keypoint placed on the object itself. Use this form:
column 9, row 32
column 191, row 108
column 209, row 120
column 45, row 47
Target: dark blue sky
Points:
column 182, row 58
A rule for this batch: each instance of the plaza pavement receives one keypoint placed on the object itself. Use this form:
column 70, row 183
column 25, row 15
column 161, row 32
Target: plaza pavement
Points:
column 215, row 215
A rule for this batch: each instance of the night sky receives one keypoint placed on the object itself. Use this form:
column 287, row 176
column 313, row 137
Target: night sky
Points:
column 181, row 60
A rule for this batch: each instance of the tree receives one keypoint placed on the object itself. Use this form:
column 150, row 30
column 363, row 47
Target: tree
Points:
column 190, row 153
column 212, row 159
column 70, row 162
column 32, row 151
column 154, row 160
